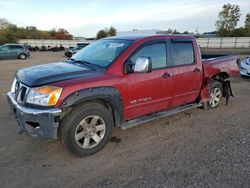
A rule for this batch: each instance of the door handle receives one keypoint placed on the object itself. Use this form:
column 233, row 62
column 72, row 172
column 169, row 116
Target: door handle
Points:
column 165, row 75
column 196, row 70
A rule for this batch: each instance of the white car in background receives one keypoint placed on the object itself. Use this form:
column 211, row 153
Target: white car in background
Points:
column 245, row 67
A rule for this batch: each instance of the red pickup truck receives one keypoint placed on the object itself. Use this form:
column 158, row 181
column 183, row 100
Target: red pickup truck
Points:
column 117, row 82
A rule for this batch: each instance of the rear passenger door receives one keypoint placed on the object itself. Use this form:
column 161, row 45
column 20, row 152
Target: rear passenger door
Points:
column 186, row 71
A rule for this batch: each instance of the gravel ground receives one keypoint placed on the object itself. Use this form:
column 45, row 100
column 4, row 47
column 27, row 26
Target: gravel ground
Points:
column 197, row 148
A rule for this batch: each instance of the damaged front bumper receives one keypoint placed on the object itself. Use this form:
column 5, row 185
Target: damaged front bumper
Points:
column 245, row 72
column 245, row 67
column 42, row 123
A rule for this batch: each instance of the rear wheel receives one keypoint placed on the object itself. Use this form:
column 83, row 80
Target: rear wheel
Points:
column 22, row 56
column 216, row 93
column 87, row 129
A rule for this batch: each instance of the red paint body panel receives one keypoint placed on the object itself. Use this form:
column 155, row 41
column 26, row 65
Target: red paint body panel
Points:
column 226, row 64
column 144, row 93
column 212, row 67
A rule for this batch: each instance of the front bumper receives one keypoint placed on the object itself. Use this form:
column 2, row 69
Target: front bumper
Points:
column 244, row 72
column 244, row 69
column 42, row 123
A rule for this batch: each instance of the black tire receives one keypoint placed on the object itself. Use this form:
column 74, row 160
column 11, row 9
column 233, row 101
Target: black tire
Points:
column 70, row 125
column 22, row 56
column 238, row 62
column 215, row 93
column 68, row 54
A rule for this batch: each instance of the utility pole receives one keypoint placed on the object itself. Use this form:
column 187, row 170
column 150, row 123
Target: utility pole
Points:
column 196, row 31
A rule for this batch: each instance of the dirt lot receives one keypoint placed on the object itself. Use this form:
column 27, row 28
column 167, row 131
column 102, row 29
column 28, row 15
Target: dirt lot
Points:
column 197, row 148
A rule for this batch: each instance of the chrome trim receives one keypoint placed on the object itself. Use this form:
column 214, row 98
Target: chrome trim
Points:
column 18, row 91
column 13, row 85
column 32, row 110
column 142, row 64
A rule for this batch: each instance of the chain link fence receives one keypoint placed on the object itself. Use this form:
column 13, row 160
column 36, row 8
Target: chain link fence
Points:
column 44, row 42
column 227, row 42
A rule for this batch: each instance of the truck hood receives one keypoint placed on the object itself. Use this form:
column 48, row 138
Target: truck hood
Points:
column 53, row 72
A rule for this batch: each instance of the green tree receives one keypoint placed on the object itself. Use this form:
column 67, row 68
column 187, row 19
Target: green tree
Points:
column 3, row 39
column 247, row 21
column 176, row 32
column 53, row 32
column 10, row 33
column 228, row 19
column 4, row 23
column 63, row 34
column 239, row 32
column 101, row 34
column 106, row 32
column 169, row 31
column 112, row 31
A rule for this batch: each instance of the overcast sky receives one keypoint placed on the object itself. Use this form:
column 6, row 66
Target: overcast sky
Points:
column 86, row 17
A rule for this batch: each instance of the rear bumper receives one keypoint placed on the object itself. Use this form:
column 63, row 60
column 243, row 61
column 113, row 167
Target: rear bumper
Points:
column 35, row 122
column 68, row 53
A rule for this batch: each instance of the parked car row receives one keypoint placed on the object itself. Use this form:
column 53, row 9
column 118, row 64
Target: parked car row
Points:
column 71, row 51
column 20, row 51
column 13, row 51
column 47, row 48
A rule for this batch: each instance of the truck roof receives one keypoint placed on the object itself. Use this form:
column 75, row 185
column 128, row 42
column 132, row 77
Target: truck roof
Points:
column 137, row 37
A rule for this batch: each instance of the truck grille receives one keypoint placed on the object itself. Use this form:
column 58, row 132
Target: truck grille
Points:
column 20, row 92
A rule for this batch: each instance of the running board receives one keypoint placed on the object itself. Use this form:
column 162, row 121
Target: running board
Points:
column 157, row 115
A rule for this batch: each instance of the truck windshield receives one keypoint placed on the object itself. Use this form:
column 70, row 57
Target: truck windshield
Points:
column 102, row 52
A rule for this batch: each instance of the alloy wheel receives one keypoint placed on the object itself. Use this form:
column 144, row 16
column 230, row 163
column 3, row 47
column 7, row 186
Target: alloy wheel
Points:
column 215, row 97
column 90, row 132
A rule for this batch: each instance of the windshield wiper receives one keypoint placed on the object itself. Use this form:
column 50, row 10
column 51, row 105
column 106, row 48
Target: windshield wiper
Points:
column 90, row 65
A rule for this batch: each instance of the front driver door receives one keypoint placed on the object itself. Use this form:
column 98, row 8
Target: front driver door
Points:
column 148, row 92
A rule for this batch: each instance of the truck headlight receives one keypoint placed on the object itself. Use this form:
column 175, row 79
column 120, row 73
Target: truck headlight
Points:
column 44, row 96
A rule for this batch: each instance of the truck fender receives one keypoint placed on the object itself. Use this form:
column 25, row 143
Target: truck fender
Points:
column 108, row 95
column 226, row 87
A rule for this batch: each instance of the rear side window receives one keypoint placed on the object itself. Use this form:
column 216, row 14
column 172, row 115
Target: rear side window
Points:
column 182, row 54
column 16, row 47
column 157, row 52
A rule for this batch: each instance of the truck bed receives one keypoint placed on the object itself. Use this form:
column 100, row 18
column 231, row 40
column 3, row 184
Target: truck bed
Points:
column 214, row 64
column 212, row 56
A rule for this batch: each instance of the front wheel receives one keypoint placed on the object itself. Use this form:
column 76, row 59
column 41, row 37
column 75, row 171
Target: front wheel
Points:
column 87, row 129
column 216, row 93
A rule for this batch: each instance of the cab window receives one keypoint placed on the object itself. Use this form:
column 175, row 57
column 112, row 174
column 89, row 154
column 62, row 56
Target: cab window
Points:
column 15, row 47
column 157, row 52
column 182, row 53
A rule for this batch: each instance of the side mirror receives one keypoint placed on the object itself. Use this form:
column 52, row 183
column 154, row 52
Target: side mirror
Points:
column 143, row 64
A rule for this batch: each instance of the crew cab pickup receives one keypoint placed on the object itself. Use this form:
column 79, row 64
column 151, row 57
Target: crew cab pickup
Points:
column 117, row 82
